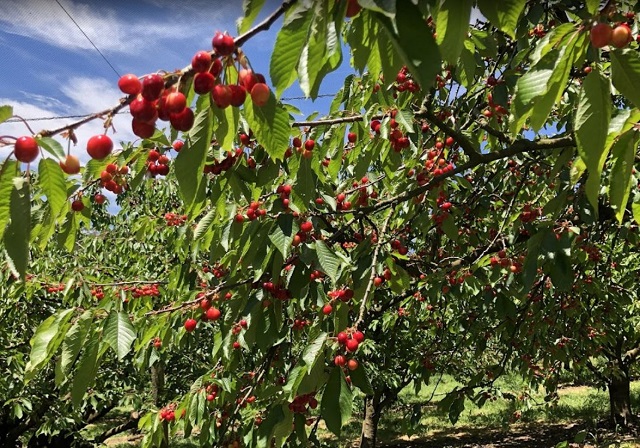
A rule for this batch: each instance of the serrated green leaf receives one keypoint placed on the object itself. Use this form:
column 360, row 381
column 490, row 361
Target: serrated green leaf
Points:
column 623, row 153
column 45, row 342
column 6, row 112
column 452, row 26
column 119, row 333
column 337, row 399
column 423, row 60
column 635, row 208
column 283, row 232
column 72, row 344
column 250, row 9
column 386, row 7
column 87, row 368
column 52, row 146
column 190, row 161
column 53, row 183
column 7, row 173
column 314, row 349
column 17, row 235
column 591, row 128
column 204, row 224
column 226, row 126
column 592, row 8
column 270, row 125
column 504, row 15
column 288, row 47
column 625, row 73
column 360, row 379
column 329, row 263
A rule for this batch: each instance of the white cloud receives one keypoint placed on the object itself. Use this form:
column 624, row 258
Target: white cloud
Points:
column 46, row 21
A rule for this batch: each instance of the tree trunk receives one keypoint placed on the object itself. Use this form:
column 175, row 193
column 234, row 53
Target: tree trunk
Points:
column 157, row 383
column 620, row 400
column 372, row 408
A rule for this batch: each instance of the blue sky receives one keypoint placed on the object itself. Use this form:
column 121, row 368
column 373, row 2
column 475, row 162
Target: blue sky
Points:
column 48, row 68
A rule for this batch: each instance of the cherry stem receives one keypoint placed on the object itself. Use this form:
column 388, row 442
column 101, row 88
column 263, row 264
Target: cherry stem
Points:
column 25, row 123
column 2, row 137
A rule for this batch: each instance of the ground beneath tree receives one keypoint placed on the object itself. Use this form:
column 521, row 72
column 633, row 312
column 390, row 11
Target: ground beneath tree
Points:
column 517, row 436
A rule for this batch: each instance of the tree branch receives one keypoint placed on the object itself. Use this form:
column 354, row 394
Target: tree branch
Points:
column 460, row 138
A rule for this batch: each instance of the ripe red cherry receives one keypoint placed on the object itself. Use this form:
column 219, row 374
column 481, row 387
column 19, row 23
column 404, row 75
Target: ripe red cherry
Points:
column 449, row 141
column 327, row 309
column 130, row 84
column 213, row 314
column 221, row 95
column 340, row 360
column 190, row 324
column 353, row 8
column 238, row 95
column 600, row 35
column 260, row 94
column 236, row 345
column 152, row 87
column 26, row 149
column 352, row 137
column 203, row 83
column 99, row 198
column 201, row 61
column 70, row 165
column 297, row 143
column 142, row 129
column 621, row 36
column 378, row 281
column 77, row 205
column 223, row 44
column 216, row 67
column 99, row 146
column 342, row 338
column 182, row 121
column 352, row 345
column 177, row 145
column 143, row 110
column 306, row 226
column 175, row 102
column 247, row 78
column 358, row 336
column 309, row 145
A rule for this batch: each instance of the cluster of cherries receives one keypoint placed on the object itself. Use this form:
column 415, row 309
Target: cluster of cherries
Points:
column 342, row 203
column 55, row 288
column 602, row 34
column 113, row 179
column 302, row 403
column 379, row 280
column 254, row 211
column 98, row 293
column 225, row 164
column 306, row 228
column 305, row 150
column 502, row 260
column 404, row 82
column 157, row 164
column 174, row 220
column 530, row 213
column 168, row 413
column 150, row 290
column 276, row 290
column 350, row 339
column 398, row 140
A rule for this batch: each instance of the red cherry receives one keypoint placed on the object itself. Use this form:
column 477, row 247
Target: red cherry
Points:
column 99, row 199
column 201, row 61
column 247, row 78
column 352, row 364
column 309, row 144
column 221, row 95
column 600, row 35
column 213, row 314
column 327, row 309
column 26, row 149
column 236, row 345
column 203, row 83
column 142, row 129
column 216, row 67
column 260, row 94
column 352, row 345
column 353, row 8
column 77, row 205
column 358, row 336
column 621, row 36
column 130, row 84
column 352, row 137
column 340, row 360
column 378, row 281
column 306, row 226
column 143, row 110
column 223, row 44
column 99, row 146
column 70, row 165
column 190, row 325
column 177, row 145
column 152, row 86
column 175, row 102
column 182, row 121
column 238, row 95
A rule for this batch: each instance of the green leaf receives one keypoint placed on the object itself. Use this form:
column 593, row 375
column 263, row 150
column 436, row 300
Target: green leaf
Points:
column 456, row 408
column 226, row 128
column 422, row 60
column 45, row 342
column 119, row 333
column 204, row 224
column 452, row 26
column 591, row 127
column 270, row 124
column 625, row 73
column 592, row 8
column 329, row 263
column 87, row 368
column 16, row 237
column 52, row 146
column 53, row 183
column 190, row 161
column 314, row 349
column 288, row 47
column 504, row 14
column 315, row 50
column 72, row 344
column 336, row 406
column 6, row 112
column 360, row 379
column 250, row 9
column 7, row 173
column 283, row 232
column 635, row 208
column 623, row 153
column 386, row 7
